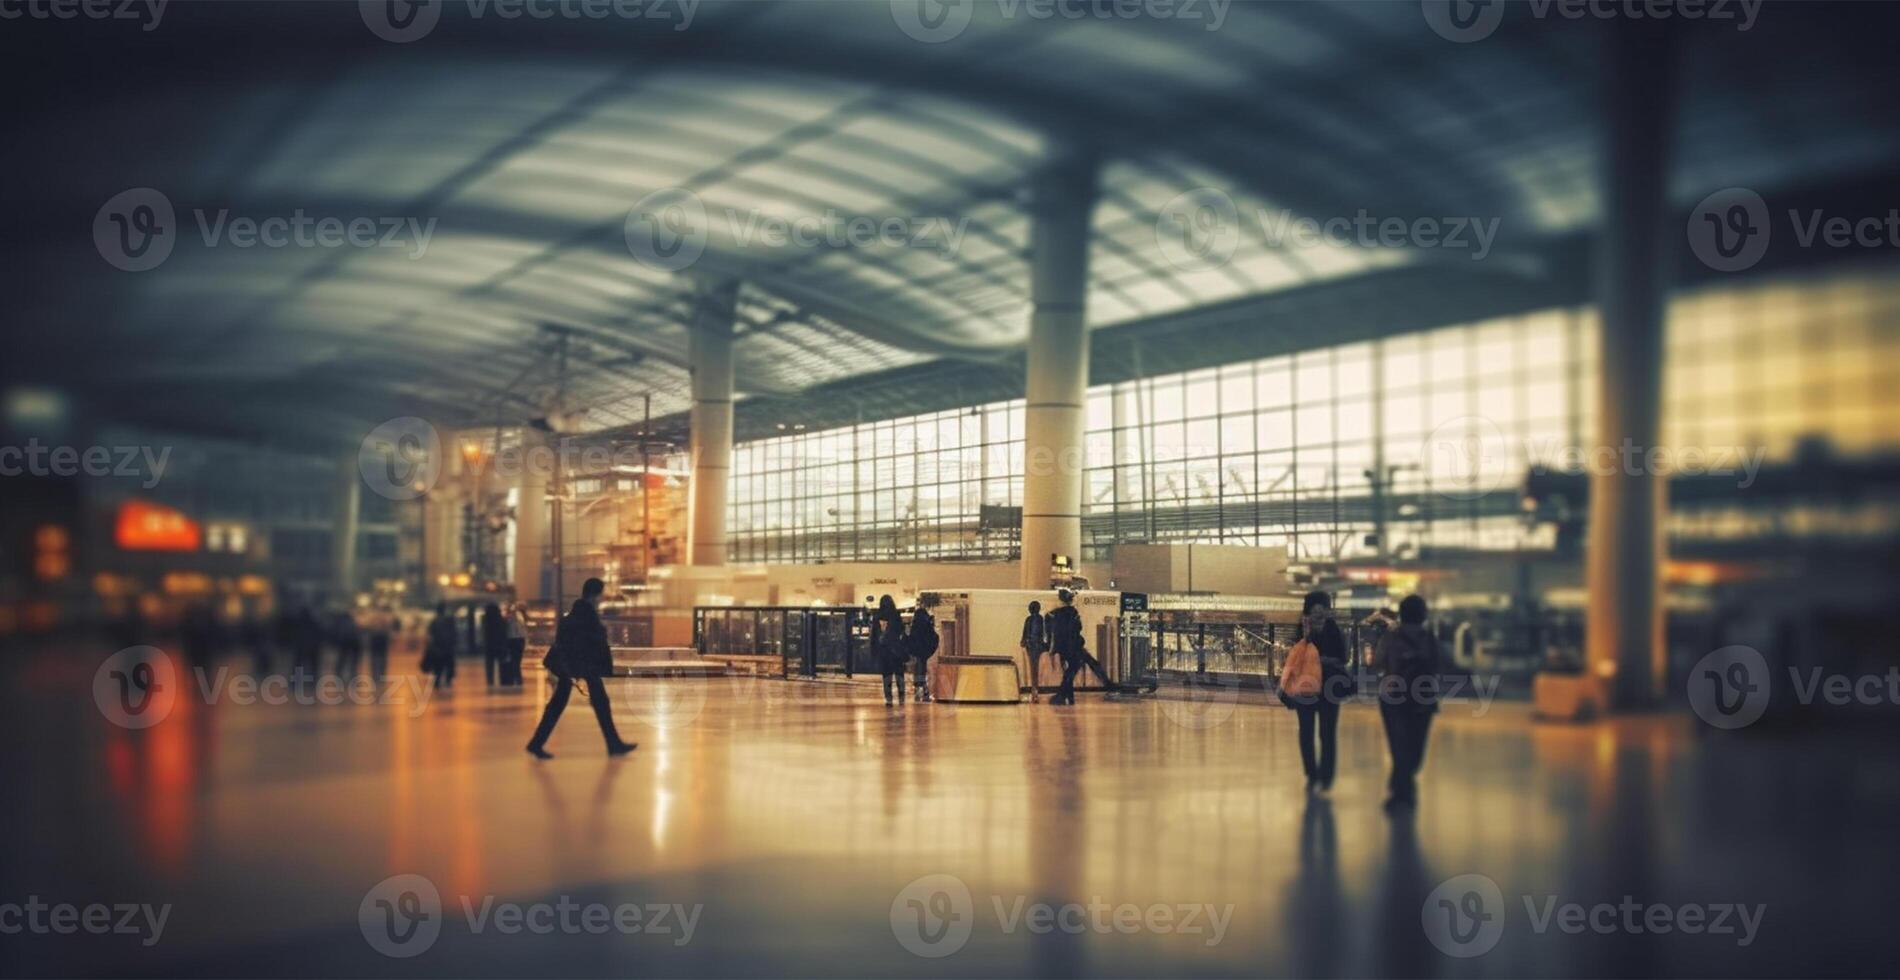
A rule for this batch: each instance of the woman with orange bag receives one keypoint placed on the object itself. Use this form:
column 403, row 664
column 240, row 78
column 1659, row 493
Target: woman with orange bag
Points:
column 1313, row 683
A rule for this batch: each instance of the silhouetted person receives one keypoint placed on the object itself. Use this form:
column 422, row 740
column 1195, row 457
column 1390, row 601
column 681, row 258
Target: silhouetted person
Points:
column 376, row 634
column 306, row 645
column 517, row 627
column 438, row 656
column 128, row 629
column 580, row 653
column 494, row 644
column 1409, row 664
column 923, row 641
column 1319, row 711
column 251, row 633
column 198, row 634
column 284, row 631
column 1065, row 637
column 348, row 640
column 887, row 641
column 1035, row 640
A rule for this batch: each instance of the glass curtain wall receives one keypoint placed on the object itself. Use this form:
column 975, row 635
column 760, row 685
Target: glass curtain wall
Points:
column 1424, row 436
column 902, row 488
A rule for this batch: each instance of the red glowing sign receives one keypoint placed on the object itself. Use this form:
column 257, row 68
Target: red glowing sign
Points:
column 152, row 527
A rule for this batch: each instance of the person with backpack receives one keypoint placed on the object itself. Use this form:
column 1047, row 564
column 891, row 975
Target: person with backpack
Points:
column 887, row 642
column 1408, row 662
column 923, row 642
column 1313, row 683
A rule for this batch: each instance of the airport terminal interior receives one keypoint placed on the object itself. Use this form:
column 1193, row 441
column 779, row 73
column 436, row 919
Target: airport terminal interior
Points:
column 949, row 488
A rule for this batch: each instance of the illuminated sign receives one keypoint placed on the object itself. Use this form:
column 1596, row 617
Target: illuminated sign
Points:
column 231, row 538
column 153, row 527
column 52, row 553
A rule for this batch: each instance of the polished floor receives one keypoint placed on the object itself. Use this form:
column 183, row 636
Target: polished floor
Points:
column 790, row 824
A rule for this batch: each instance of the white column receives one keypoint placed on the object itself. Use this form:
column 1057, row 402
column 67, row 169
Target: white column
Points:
column 1058, row 370
column 441, row 531
column 1623, row 631
column 347, row 526
column 1125, row 451
column 709, row 352
column 531, row 515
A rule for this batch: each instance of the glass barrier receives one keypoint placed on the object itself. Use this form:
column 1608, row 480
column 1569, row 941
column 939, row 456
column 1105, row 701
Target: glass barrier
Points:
column 806, row 641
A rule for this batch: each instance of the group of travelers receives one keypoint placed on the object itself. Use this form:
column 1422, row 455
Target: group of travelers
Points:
column 502, row 639
column 894, row 648
column 1315, row 681
column 355, row 632
column 302, row 630
column 504, row 643
column 1059, row 632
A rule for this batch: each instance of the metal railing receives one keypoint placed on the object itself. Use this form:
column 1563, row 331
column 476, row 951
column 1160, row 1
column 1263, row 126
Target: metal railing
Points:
column 1244, row 648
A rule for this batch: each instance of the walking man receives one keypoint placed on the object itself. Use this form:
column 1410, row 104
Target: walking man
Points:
column 1065, row 635
column 1409, row 664
column 580, row 653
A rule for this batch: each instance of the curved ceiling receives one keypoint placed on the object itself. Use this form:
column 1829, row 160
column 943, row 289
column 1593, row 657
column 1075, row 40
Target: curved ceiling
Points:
column 533, row 156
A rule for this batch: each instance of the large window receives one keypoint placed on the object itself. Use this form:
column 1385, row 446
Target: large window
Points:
column 1386, row 447
column 895, row 489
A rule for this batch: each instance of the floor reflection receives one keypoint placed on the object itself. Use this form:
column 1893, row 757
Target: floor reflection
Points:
column 1316, row 911
column 795, row 813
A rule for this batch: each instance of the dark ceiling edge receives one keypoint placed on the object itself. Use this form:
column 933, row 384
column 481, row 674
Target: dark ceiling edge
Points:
column 1353, row 309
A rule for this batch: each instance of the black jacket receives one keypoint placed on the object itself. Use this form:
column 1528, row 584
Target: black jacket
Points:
column 494, row 634
column 580, row 647
column 923, row 635
column 441, row 651
column 1065, row 634
column 1404, row 658
column 887, row 641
